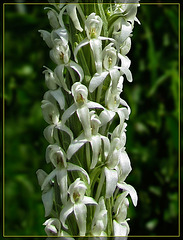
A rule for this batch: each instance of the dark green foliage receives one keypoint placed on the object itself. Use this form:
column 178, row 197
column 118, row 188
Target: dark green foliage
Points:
column 152, row 132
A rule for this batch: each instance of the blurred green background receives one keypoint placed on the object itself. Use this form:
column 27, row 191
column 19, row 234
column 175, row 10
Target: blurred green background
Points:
column 153, row 127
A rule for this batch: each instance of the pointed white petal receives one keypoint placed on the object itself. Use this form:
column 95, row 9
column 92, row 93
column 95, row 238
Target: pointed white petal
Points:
column 76, row 145
column 59, row 72
column 125, row 164
column 66, row 211
column 91, row 104
column 64, row 128
column 71, row 10
column 41, row 175
column 49, row 178
column 73, row 167
column 96, row 47
column 46, row 37
column 111, row 181
column 96, row 146
column 80, row 212
column 78, row 69
column 89, row 200
column 59, row 97
column 131, row 190
column 96, row 80
column 68, row 113
column 106, row 116
column 47, row 199
column 106, row 145
column 84, row 118
column 80, row 45
column 127, row 72
column 49, row 133
column 62, row 182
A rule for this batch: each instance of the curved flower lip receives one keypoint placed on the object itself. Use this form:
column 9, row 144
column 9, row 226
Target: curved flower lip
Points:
column 130, row 190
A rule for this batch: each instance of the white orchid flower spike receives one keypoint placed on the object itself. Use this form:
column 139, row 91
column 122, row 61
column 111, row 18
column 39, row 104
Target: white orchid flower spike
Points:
column 77, row 204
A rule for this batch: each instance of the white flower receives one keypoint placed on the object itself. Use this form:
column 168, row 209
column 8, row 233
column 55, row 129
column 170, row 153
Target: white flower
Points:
column 81, row 107
column 50, row 79
column 55, row 34
column 77, row 204
column 99, row 222
column 94, row 138
column 126, row 9
column 51, row 114
column 109, row 55
column 57, row 156
column 93, row 27
column 120, row 224
column 48, row 192
column 53, row 227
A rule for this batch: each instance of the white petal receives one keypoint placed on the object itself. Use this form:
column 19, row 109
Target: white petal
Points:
column 91, row 104
column 78, row 69
column 127, row 72
column 80, row 212
column 84, row 118
column 89, row 200
column 121, row 229
column 68, row 113
column 76, row 145
column 52, row 16
column 64, row 128
column 96, row 80
column 46, row 37
column 49, row 178
column 119, row 201
column 49, row 133
column 96, row 47
column 73, row 167
column 59, row 72
column 59, row 97
column 106, row 145
column 47, row 199
column 71, row 10
column 62, row 182
column 131, row 190
column 80, row 45
column 66, row 211
column 125, row 164
column 111, row 181
column 41, row 175
column 96, row 146
column 106, row 116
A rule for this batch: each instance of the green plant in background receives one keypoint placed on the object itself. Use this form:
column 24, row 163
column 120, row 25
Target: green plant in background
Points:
column 86, row 193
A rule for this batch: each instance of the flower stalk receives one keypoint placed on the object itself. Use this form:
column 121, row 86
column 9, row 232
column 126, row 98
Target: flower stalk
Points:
column 86, row 193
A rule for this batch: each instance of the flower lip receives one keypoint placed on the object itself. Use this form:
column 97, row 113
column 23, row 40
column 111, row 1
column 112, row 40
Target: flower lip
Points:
column 109, row 57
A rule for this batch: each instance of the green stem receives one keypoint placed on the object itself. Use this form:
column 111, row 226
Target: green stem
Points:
column 100, row 185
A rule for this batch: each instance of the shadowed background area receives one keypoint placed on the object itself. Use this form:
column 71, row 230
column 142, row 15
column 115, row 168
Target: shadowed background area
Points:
column 152, row 132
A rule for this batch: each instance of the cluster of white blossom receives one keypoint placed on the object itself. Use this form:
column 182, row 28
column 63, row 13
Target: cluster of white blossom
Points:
column 85, row 194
